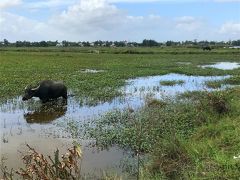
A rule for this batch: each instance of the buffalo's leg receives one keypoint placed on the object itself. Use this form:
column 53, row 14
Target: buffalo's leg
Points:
column 64, row 95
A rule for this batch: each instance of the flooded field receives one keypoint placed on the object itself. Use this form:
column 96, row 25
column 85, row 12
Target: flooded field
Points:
column 38, row 124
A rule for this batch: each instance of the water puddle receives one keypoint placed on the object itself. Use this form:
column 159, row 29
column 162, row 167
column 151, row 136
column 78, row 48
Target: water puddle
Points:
column 93, row 163
column 36, row 124
column 223, row 65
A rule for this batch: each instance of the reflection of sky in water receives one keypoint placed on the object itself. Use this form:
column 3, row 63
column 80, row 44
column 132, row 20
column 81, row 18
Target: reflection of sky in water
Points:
column 223, row 65
column 141, row 86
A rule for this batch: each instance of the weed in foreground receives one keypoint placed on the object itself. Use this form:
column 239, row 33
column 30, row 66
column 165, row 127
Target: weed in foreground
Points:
column 37, row 166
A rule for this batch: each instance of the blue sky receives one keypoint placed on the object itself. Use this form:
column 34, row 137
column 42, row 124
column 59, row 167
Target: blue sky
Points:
column 218, row 12
column 133, row 20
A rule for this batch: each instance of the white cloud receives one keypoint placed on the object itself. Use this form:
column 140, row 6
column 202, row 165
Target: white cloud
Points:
column 86, row 20
column 9, row 3
column 98, row 19
column 63, row 3
column 15, row 27
column 188, row 23
column 88, row 15
column 49, row 4
column 185, row 19
column 230, row 28
column 135, row 1
column 149, row 1
column 171, row 1
column 13, row 24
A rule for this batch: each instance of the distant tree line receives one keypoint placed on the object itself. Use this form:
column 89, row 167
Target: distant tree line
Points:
column 144, row 43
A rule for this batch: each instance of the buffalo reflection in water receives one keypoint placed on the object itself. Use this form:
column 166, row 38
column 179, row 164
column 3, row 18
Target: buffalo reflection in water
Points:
column 47, row 112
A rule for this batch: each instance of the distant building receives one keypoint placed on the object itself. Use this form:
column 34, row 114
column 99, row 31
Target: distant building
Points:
column 131, row 45
column 59, row 44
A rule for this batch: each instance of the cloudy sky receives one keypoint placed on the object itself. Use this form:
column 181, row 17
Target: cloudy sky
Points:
column 132, row 20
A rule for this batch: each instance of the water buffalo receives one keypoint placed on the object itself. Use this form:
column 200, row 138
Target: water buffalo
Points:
column 208, row 48
column 46, row 90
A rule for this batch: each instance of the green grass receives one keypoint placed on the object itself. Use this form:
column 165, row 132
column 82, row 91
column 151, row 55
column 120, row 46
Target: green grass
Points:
column 213, row 84
column 124, row 50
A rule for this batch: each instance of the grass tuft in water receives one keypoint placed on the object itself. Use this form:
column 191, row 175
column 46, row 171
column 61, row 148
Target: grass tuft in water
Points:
column 213, row 84
column 172, row 83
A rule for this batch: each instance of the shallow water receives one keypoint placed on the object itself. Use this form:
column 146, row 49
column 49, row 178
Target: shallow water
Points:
column 38, row 124
column 224, row 65
column 140, row 87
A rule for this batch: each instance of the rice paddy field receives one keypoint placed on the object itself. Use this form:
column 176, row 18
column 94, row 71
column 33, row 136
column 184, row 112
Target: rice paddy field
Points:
column 137, row 113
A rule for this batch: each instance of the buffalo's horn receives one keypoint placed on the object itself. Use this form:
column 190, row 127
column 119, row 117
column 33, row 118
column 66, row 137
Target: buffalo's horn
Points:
column 34, row 89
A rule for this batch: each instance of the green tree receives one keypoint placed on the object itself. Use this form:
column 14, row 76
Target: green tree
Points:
column 5, row 42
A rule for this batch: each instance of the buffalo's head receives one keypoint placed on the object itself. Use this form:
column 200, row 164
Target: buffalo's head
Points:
column 29, row 93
